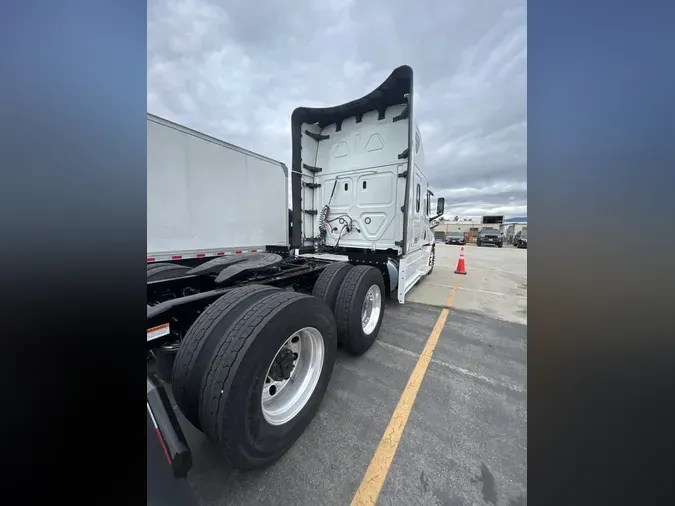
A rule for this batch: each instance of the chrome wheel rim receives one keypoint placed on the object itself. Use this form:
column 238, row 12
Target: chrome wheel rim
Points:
column 372, row 307
column 292, row 376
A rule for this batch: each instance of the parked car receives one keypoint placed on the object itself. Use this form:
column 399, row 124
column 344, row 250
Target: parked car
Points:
column 490, row 236
column 455, row 238
column 520, row 240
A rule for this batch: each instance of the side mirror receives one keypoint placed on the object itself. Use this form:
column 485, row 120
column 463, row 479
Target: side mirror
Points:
column 440, row 205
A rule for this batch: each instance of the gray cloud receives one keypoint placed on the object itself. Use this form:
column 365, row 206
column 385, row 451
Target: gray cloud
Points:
column 237, row 70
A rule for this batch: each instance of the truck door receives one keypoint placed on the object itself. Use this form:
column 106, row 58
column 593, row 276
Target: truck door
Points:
column 418, row 211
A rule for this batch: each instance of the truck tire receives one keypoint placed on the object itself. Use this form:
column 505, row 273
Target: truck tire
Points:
column 361, row 292
column 244, row 412
column 329, row 282
column 167, row 272
column 199, row 342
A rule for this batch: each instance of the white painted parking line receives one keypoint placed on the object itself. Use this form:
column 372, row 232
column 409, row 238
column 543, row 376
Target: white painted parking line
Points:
column 508, row 273
column 485, row 291
column 460, row 370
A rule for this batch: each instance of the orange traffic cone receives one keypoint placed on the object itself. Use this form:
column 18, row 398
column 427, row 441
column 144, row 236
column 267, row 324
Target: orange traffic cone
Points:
column 461, row 268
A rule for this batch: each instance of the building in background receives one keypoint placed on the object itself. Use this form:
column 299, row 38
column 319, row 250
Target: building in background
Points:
column 493, row 221
column 472, row 225
column 512, row 226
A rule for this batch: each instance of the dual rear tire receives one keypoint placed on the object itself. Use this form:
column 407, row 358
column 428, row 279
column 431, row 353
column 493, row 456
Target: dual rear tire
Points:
column 356, row 296
column 253, row 368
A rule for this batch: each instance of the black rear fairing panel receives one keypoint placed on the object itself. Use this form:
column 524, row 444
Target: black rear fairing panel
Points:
column 395, row 90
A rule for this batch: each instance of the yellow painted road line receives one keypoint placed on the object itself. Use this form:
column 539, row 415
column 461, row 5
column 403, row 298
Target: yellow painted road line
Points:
column 372, row 482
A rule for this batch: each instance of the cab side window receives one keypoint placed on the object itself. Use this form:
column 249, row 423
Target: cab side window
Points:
column 418, row 197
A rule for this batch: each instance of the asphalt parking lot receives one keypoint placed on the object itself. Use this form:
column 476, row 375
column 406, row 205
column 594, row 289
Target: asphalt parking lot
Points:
column 465, row 439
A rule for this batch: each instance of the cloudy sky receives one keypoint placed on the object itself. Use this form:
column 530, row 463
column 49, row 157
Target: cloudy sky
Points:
column 236, row 70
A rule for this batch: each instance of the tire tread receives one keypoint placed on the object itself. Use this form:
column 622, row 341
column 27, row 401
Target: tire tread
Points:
column 328, row 284
column 344, row 306
column 217, row 377
column 196, row 337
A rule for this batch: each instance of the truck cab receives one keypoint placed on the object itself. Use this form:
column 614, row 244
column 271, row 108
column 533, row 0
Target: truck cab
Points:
column 359, row 229
column 358, row 185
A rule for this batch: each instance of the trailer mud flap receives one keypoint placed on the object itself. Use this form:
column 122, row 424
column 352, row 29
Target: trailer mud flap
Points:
column 167, row 429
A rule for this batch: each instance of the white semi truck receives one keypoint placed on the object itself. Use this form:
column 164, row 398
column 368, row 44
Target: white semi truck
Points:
column 248, row 303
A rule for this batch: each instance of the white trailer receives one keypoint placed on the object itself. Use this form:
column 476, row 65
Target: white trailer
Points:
column 248, row 338
column 208, row 198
